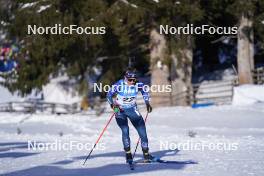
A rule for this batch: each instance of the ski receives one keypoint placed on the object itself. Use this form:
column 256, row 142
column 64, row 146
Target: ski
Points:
column 174, row 162
column 131, row 165
column 158, row 160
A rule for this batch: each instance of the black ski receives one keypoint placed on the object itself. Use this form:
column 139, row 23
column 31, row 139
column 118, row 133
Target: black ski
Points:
column 173, row 162
column 131, row 165
column 158, row 160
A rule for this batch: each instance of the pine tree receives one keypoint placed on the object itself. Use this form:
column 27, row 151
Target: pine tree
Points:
column 244, row 11
column 48, row 53
column 170, row 55
column 247, row 16
column 131, row 31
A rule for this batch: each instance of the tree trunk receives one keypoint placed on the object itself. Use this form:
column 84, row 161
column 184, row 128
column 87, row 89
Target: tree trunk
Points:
column 245, row 47
column 181, row 74
column 159, row 70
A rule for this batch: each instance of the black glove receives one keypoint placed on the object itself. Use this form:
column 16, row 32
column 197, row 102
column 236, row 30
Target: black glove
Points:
column 149, row 108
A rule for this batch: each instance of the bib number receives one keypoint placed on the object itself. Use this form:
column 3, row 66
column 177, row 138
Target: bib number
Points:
column 128, row 99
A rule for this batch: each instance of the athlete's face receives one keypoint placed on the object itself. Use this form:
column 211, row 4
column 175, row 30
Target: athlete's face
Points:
column 131, row 81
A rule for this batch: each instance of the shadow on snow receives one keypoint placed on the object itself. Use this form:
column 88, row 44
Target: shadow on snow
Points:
column 6, row 146
column 105, row 170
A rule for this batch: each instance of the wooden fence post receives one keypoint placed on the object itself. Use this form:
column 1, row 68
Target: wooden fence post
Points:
column 10, row 107
column 53, row 106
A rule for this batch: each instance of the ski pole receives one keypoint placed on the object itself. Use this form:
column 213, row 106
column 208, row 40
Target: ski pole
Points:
column 139, row 138
column 99, row 137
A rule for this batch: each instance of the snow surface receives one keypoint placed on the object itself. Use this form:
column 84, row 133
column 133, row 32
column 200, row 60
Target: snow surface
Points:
column 217, row 75
column 128, row 3
column 53, row 92
column 6, row 95
column 242, row 126
column 27, row 5
column 248, row 94
column 44, row 7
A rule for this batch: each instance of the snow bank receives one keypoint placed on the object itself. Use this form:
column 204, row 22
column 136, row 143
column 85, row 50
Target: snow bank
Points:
column 248, row 94
column 55, row 93
column 6, row 95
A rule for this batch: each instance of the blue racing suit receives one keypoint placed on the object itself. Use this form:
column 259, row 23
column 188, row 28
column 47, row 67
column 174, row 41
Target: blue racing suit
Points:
column 125, row 97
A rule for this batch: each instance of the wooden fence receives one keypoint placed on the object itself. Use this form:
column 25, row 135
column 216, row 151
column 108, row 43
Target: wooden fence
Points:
column 35, row 106
column 215, row 92
column 258, row 75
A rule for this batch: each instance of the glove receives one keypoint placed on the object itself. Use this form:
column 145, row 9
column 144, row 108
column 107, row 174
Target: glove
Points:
column 149, row 108
column 115, row 107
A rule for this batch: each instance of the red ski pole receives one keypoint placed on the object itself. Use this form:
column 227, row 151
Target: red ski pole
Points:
column 99, row 137
column 139, row 138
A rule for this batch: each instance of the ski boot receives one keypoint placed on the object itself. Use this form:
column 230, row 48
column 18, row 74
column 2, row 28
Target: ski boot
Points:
column 148, row 158
column 129, row 158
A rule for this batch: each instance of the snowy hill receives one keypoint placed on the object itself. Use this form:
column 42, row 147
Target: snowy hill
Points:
column 173, row 133
column 248, row 94
column 6, row 95
column 53, row 92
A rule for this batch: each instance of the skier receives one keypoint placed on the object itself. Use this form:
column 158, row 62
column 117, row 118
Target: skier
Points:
column 122, row 99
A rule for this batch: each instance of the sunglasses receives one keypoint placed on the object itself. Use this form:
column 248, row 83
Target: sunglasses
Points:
column 131, row 80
